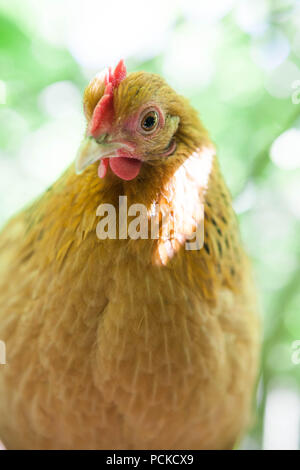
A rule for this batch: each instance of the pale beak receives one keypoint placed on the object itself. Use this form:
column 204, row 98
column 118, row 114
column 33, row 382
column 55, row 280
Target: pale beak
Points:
column 92, row 150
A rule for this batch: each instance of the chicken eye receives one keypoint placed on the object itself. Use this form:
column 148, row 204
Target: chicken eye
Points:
column 149, row 122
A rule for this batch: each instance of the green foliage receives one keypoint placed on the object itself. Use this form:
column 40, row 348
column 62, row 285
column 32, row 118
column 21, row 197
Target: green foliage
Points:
column 244, row 98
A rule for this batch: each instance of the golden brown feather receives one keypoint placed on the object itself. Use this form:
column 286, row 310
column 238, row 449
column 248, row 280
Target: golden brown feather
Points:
column 128, row 343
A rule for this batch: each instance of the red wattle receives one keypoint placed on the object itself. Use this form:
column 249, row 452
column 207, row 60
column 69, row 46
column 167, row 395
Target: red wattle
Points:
column 125, row 168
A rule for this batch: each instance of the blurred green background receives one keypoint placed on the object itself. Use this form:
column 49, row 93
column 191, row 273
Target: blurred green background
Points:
column 239, row 63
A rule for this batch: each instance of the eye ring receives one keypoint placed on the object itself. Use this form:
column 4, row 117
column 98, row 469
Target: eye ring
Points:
column 149, row 121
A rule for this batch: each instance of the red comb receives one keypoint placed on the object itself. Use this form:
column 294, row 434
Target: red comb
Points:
column 104, row 111
column 118, row 75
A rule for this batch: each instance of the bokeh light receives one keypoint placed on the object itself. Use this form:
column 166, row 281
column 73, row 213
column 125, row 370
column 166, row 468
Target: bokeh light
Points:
column 239, row 64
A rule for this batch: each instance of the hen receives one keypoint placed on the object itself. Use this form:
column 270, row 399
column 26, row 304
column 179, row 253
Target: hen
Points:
column 129, row 342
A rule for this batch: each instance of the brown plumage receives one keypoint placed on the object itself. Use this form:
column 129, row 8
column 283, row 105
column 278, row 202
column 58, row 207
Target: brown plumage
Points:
column 129, row 343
